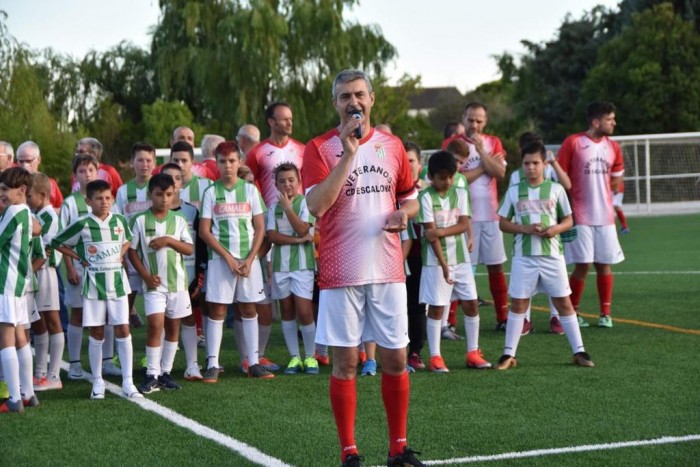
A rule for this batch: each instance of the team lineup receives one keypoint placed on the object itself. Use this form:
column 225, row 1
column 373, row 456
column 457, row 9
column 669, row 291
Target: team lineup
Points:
column 364, row 251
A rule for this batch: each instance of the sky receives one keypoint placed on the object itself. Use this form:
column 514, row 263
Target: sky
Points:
column 446, row 42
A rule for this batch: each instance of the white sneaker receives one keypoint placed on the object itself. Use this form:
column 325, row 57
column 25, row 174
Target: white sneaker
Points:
column 110, row 369
column 193, row 374
column 75, row 371
column 98, row 389
column 130, row 392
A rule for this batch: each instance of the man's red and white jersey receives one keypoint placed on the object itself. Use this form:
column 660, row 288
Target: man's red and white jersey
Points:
column 484, row 190
column 265, row 157
column 354, row 249
column 590, row 164
column 107, row 173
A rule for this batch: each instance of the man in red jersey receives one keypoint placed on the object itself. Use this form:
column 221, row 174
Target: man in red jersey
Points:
column 106, row 172
column 353, row 183
column 595, row 165
column 280, row 147
column 484, row 168
column 208, row 145
column 29, row 158
column 248, row 137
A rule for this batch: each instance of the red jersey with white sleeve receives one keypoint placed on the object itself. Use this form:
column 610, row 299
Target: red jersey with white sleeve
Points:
column 55, row 197
column 213, row 169
column 484, row 190
column 265, row 157
column 590, row 164
column 354, row 248
column 107, row 173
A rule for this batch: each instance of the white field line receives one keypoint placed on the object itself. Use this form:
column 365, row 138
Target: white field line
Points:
column 245, row 450
column 566, row 450
column 630, row 273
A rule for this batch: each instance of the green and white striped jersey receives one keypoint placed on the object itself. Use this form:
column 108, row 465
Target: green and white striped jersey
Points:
column 15, row 253
column 166, row 263
column 288, row 258
column 519, row 175
column 38, row 251
column 74, row 207
column 545, row 204
column 193, row 191
column 48, row 219
column 231, row 211
column 444, row 211
column 99, row 243
column 131, row 199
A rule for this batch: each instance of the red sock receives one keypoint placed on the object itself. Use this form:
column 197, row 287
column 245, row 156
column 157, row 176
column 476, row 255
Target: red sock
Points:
column 344, row 402
column 622, row 218
column 577, row 286
column 395, row 395
column 605, row 288
column 499, row 292
column 198, row 320
column 452, row 316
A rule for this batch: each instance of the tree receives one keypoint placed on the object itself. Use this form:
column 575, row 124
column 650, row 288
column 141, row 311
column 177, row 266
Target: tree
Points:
column 651, row 72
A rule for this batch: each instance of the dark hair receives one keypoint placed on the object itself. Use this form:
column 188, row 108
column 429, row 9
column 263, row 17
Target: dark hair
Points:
column 171, row 165
column 286, row 166
column 596, row 110
column 475, row 105
column 96, row 186
column 442, row 161
column 182, row 146
column 15, row 177
column 142, row 147
column 162, row 181
column 225, row 148
column 411, row 146
column 450, row 129
column 533, row 147
column 85, row 159
column 458, row 147
column 528, row 137
column 270, row 110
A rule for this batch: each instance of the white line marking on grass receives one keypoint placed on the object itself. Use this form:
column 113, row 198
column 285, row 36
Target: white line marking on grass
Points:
column 245, row 450
column 566, row 450
column 629, row 273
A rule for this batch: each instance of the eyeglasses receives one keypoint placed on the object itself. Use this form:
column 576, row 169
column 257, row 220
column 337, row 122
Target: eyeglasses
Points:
column 26, row 161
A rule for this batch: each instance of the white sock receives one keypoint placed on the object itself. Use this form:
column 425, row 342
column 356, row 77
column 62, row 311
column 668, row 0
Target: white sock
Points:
column 26, row 383
column 264, row 331
column 57, row 342
column 240, row 339
column 108, row 346
column 189, row 343
column 433, row 330
column 153, row 358
column 289, row 331
column 552, row 309
column 168, row 357
column 41, row 350
column 573, row 332
column 445, row 316
column 75, row 342
column 471, row 331
column 250, row 331
column 528, row 311
column 514, row 329
column 10, row 368
column 322, row 350
column 125, row 349
column 95, row 356
column 308, row 336
column 215, row 332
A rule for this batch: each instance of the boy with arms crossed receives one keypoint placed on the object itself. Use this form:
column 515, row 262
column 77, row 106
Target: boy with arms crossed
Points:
column 160, row 239
column 444, row 213
column 99, row 240
column 537, row 211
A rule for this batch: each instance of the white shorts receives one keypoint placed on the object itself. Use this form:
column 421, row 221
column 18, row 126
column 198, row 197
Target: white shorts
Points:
column 114, row 311
column 532, row 274
column 488, row 244
column 32, row 312
column 73, row 296
column 617, row 199
column 298, row 283
column 175, row 305
column 13, row 310
column 435, row 291
column 223, row 285
column 366, row 313
column 46, row 297
column 594, row 244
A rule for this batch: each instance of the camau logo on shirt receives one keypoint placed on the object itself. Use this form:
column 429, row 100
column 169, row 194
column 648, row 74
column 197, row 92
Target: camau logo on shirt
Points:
column 137, row 206
column 536, row 206
column 104, row 256
column 231, row 209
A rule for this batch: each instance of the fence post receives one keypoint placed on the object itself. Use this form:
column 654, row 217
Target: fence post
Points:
column 647, row 162
column 636, row 178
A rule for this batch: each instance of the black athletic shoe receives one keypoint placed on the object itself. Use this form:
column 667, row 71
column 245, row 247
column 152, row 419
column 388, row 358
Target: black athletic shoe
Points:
column 353, row 460
column 165, row 381
column 407, row 458
column 149, row 385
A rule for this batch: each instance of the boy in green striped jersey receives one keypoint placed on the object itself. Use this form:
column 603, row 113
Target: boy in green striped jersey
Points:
column 85, row 167
column 99, row 240
column 445, row 214
column 48, row 333
column 536, row 211
column 289, row 226
column 15, row 264
column 161, row 239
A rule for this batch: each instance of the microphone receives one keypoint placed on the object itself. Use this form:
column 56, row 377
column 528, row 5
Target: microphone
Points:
column 357, row 115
